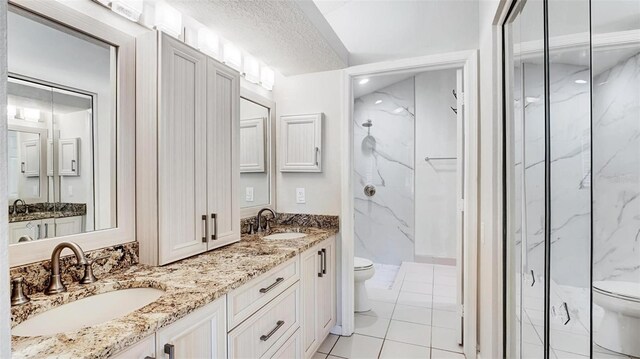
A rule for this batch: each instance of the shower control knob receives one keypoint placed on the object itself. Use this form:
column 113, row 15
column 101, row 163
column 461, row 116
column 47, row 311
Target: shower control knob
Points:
column 369, row 190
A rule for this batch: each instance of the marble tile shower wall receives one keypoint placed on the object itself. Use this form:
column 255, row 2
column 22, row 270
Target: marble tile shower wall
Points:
column 384, row 157
column 616, row 172
column 570, row 161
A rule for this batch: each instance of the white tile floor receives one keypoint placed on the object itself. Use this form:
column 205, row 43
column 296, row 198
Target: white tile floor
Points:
column 414, row 318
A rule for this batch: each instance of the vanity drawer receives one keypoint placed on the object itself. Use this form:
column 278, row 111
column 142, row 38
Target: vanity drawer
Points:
column 246, row 300
column 291, row 349
column 269, row 328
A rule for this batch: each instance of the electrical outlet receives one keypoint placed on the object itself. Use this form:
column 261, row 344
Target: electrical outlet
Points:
column 70, row 190
column 300, row 196
column 248, row 194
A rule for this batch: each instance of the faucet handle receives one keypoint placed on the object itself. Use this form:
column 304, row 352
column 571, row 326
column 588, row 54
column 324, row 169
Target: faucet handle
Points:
column 17, row 293
column 88, row 276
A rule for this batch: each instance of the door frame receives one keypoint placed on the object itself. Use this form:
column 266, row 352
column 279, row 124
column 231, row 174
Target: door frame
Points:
column 468, row 61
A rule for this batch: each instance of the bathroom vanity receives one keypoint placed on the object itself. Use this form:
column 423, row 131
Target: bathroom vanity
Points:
column 257, row 298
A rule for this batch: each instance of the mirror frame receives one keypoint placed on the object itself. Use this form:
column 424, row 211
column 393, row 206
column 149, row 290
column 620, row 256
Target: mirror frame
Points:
column 270, row 151
column 124, row 232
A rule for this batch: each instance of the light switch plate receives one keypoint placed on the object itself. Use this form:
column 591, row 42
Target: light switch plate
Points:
column 300, row 196
column 248, row 194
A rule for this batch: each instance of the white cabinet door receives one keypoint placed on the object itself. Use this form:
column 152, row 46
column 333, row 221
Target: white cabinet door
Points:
column 146, row 348
column 301, row 143
column 19, row 229
column 30, row 161
column 68, row 157
column 48, row 228
column 182, row 157
column 252, row 145
column 327, row 288
column 67, row 226
column 201, row 334
column 310, row 270
column 223, row 170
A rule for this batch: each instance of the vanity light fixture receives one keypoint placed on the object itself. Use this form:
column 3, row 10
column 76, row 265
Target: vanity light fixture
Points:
column 251, row 69
column 398, row 110
column 130, row 9
column 232, row 56
column 580, row 82
column 11, row 111
column 209, row 42
column 363, row 81
column 531, row 99
column 378, row 102
column 31, row 114
column 267, row 78
column 168, row 19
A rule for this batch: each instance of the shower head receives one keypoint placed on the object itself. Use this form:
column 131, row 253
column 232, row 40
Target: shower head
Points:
column 367, row 124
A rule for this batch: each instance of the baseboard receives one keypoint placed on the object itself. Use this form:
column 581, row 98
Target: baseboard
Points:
column 337, row 330
column 435, row 260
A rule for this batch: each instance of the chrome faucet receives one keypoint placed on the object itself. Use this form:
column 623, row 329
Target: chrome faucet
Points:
column 259, row 221
column 55, row 280
column 15, row 206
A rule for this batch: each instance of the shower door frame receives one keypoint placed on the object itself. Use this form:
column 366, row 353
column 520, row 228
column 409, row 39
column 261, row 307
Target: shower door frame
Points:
column 468, row 61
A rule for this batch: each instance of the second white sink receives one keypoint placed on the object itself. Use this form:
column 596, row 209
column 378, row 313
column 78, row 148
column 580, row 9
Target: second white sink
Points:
column 288, row 235
column 86, row 312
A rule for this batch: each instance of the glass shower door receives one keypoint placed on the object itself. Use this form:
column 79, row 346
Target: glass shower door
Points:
column 569, row 141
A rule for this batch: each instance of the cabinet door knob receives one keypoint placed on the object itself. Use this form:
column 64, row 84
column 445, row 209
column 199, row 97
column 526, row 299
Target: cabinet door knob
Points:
column 171, row 350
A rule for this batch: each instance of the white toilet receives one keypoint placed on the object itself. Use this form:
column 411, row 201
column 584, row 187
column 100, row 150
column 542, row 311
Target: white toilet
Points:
column 620, row 325
column 364, row 270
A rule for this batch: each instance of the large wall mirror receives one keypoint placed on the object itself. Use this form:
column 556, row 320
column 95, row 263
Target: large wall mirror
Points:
column 256, row 155
column 69, row 160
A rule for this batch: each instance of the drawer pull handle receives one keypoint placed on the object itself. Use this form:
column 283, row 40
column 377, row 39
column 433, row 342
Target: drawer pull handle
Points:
column 171, row 350
column 278, row 281
column 266, row 337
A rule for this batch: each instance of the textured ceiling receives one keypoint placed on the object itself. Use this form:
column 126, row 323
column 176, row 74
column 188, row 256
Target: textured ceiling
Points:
column 280, row 33
column 374, row 30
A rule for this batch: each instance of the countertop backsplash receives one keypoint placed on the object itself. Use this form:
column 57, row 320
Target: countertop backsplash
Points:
column 36, row 275
column 296, row 219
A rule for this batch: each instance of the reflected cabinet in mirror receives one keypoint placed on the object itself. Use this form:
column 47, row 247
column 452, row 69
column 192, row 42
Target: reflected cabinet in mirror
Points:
column 62, row 119
column 255, row 152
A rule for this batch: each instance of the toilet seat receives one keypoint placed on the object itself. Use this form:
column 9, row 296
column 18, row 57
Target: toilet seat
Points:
column 361, row 263
column 618, row 289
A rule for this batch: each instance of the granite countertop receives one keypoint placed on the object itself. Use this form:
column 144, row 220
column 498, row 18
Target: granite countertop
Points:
column 189, row 284
column 34, row 216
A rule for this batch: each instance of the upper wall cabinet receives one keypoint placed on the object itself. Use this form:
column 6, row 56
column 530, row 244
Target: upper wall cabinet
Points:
column 252, row 145
column 301, row 143
column 187, row 130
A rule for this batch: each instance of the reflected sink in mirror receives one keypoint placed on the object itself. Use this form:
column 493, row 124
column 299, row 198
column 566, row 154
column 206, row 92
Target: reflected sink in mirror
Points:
column 285, row 235
column 87, row 312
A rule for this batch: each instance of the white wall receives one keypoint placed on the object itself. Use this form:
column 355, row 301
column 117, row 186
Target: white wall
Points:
column 305, row 94
column 435, row 181
column 5, row 336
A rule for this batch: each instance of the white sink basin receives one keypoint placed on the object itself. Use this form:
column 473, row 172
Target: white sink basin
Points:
column 285, row 236
column 87, row 312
